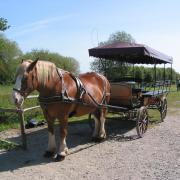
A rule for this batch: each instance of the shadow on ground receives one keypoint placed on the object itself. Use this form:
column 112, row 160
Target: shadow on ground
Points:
column 79, row 138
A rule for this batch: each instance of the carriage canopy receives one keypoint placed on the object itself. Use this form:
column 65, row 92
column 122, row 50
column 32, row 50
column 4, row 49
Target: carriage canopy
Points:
column 130, row 53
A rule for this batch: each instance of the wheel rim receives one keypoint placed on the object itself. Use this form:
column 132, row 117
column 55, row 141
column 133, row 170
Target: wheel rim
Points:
column 142, row 122
column 164, row 109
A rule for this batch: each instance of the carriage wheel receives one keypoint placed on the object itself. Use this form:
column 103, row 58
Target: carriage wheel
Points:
column 142, row 121
column 163, row 109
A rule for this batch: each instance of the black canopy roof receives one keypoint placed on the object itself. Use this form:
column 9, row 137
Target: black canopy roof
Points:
column 131, row 53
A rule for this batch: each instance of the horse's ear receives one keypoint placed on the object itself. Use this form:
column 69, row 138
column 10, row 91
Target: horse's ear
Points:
column 22, row 61
column 31, row 66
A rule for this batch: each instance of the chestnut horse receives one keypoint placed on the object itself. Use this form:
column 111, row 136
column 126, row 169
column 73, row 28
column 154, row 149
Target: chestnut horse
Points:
column 61, row 95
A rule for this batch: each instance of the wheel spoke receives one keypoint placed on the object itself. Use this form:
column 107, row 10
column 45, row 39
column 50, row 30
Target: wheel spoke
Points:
column 145, row 127
column 163, row 109
column 141, row 129
column 142, row 121
column 140, row 125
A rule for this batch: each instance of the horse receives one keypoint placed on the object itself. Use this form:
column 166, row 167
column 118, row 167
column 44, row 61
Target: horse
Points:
column 62, row 95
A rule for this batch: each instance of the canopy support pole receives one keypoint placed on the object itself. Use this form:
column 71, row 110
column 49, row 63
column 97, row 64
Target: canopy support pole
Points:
column 154, row 76
column 164, row 73
column 133, row 73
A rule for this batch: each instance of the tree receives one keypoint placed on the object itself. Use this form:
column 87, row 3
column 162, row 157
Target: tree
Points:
column 4, row 24
column 67, row 63
column 9, row 55
column 121, row 36
column 111, row 69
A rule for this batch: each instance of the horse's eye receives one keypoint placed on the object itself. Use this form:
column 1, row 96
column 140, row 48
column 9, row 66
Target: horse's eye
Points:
column 24, row 82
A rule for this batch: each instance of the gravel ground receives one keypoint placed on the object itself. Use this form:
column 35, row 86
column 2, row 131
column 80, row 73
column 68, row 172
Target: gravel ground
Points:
column 122, row 156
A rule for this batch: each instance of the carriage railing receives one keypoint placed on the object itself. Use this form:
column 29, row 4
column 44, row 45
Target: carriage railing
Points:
column 156, row 88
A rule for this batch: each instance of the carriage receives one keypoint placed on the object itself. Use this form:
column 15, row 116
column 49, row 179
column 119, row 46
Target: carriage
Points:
column 128, row 98
column 62, row 95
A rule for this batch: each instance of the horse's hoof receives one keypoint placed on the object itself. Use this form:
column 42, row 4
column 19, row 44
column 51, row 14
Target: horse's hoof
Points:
column 59, row 158
column 48, row 154
column 94, row 139
column 98, row 139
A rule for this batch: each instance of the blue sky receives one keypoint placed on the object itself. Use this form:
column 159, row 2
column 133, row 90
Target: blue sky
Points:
column 71, row 27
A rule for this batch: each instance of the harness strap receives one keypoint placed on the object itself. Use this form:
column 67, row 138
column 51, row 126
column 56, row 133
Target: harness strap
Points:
column 80, row 87
column 60, row 74
column 81, row 90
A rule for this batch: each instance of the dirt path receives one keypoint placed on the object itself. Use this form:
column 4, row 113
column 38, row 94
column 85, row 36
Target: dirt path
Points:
column 122, row 156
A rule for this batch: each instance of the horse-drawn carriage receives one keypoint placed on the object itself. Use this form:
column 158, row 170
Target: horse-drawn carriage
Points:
column 126, row 97
column 62, row 95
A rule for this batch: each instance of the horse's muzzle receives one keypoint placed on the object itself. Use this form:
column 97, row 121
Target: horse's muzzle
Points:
column 17, row 98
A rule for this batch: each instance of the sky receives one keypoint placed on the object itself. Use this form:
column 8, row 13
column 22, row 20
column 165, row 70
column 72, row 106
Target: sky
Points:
column 72, row 27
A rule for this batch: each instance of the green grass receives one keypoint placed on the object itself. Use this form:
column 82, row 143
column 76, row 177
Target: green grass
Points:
column 10, row 120
column 5, row 96
column 173, row 100
column 7, row 145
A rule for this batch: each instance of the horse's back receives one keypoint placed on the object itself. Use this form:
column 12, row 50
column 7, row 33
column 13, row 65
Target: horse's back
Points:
column 95, row 83
column 93, row 78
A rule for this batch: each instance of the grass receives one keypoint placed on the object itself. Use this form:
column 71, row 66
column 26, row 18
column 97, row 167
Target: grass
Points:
column 173, row 100
column 7, row 145
column 10, row 120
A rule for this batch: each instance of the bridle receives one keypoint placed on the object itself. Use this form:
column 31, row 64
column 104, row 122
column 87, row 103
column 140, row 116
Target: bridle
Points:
column 18, row 90
column 23, row 93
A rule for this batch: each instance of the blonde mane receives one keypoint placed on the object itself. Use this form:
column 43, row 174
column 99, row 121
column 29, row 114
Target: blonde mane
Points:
column 45, row 72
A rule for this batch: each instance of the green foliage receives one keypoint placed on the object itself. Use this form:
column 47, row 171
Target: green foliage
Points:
column 4, row 24
column 121, row 36
column 9, row 55
column 66, row 63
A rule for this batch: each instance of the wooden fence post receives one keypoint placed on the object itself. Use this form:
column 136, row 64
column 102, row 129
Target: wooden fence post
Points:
column 23, row 134
column 20, row 113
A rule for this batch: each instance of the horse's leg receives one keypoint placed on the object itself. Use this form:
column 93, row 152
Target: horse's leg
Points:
column 51, row 138
column 96, row 126
column 63, row 149
column 102, row 132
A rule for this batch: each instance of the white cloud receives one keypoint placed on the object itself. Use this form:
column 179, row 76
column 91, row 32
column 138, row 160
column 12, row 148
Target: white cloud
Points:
column 37, row 25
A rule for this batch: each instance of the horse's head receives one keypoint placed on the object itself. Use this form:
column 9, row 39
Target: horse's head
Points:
column 23, row 81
